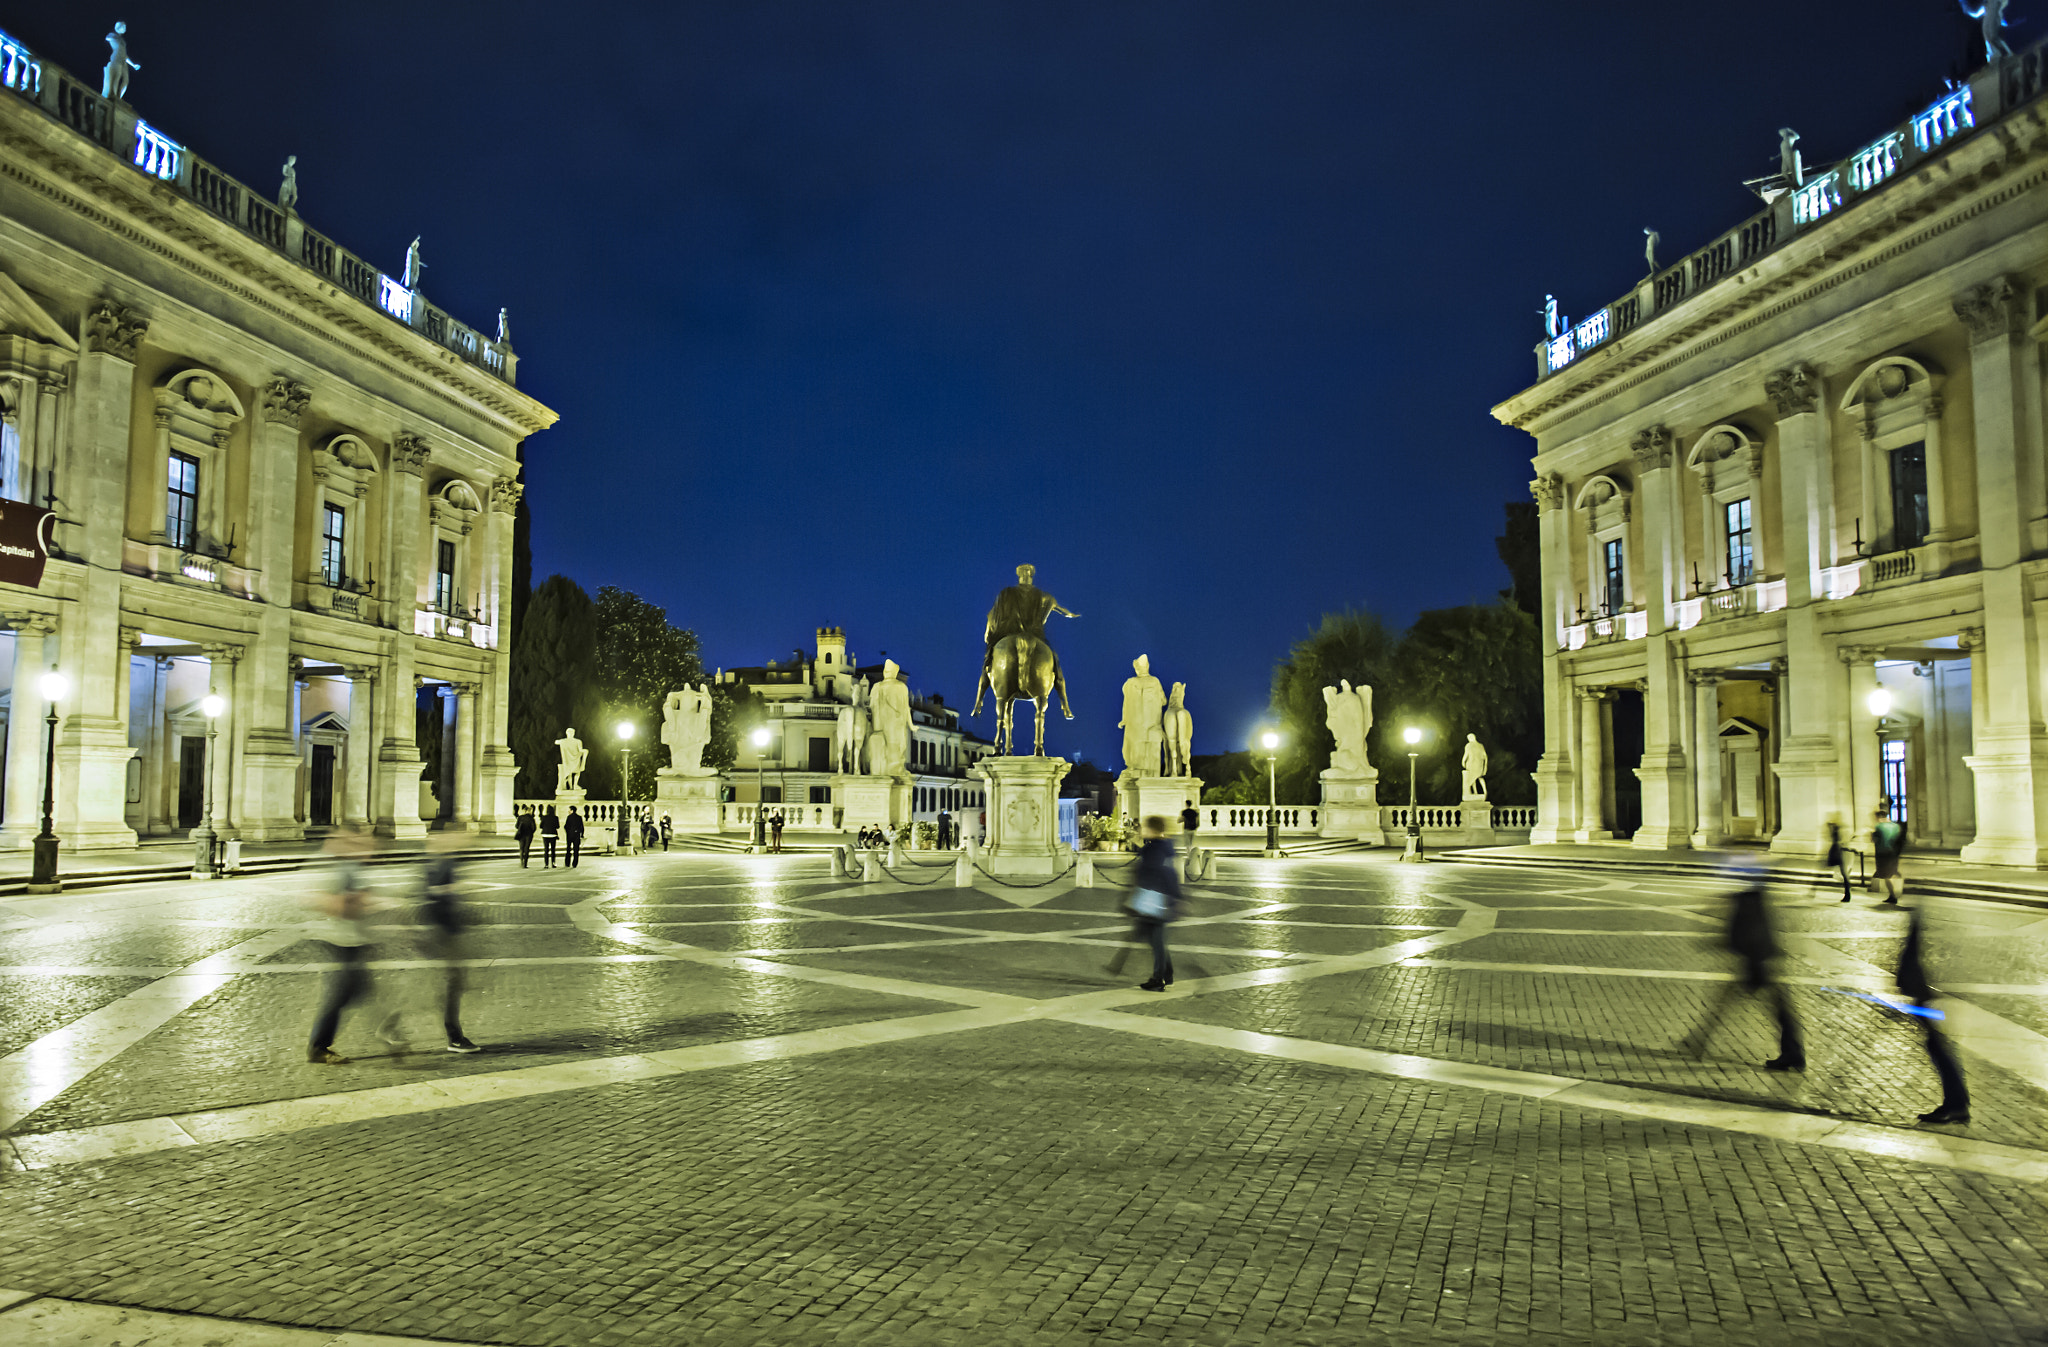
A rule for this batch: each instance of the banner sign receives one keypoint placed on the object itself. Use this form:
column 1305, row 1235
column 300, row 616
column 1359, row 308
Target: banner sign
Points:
column 24, row 542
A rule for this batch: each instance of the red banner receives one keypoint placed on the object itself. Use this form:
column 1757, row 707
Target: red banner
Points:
column 24, row 542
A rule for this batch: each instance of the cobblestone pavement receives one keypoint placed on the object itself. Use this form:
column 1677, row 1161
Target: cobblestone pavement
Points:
column 734, row 1100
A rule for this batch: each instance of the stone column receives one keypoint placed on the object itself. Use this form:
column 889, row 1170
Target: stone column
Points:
column 33, row 647
column 1860, row 763
column 155, row 747
column 499, row 769
column 268, row 739
column 1807, row 764
column 395, row 801
column 1708, row 809
column 465, row 754
column 223, row 665
column 1667, row 804
column 1593, row 817
column 1557, row 813
column 357, row 789
column 2010, row 761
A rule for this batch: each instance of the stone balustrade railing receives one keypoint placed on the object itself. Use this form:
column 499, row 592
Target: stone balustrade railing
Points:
column 596, row 814
column 1995, row 89
column 114, row 125
column 1451, row 817
column 1237, row 818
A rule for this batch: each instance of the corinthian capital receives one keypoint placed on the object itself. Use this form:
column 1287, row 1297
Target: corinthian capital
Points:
column 1993, row 309
column 114, row 329
column 1548, row 491
column 1652, row 449
column 1793, row 390
column 284, row 401
column 409, row 453
column 505, row 495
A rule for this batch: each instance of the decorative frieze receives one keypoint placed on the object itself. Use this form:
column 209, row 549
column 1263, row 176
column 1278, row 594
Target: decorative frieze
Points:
column 409, row 453
column 1794, row 391
column 114, row 329
column 284, row 401
column 1652, row 449
column 1996, row 308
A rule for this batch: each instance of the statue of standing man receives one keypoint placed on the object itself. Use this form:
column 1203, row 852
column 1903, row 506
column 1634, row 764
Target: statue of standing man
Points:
column 1144, row 703
column 1473, row 768
column 686, row 729
column 569, row 775
column 889, row 705
column 1347, row 712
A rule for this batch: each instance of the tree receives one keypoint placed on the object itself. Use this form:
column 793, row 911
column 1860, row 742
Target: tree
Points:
column 641, row 658
column 553, row 681
column 1474, row 669
column 1354, row 645
column 1520, row 547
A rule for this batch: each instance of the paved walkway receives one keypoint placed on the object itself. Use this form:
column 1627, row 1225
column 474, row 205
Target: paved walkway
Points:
column 732, row 1099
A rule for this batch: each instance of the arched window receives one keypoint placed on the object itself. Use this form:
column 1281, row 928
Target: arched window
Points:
column 1895, row 405
column 1605, row 502
column 1729, row 462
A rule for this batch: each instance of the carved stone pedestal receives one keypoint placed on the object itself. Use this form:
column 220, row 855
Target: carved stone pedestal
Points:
column 1477, row 813
column 880, row 800
column 691, row 802
column 1351, row 807
column 1023, row 817
column 1142, row 796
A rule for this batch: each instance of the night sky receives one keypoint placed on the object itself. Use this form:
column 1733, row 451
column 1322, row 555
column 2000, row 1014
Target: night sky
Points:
column 848, row 308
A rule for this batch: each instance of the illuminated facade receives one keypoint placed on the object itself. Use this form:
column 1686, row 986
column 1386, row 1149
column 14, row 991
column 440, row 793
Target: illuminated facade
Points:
column 1804, row 465
column 277, row 475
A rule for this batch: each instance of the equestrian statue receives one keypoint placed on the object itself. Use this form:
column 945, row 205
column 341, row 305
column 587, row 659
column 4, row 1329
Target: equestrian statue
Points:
column 1018, row 664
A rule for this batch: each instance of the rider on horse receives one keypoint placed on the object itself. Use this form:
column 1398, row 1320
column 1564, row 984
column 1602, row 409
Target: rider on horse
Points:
column 1021, row 610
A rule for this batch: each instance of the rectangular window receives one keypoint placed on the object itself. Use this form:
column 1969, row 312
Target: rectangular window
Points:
column 771, row 795
column 333, row 536
column 1614, row 579
column 444, row 576
column 1741, row 557
column 1895, row 779
column 821, row 795
column 181, row 518
column 1909, row 497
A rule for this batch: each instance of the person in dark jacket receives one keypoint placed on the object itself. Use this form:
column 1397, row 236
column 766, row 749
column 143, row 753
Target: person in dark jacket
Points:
column 550, row 829
column 668, row 830
column 446, row 920
column 523, row 832
column 1887, row 840
column 572, row 838
column 1156, row 900
column 1912, row 976
column 1751, row 939
column 1838, row 855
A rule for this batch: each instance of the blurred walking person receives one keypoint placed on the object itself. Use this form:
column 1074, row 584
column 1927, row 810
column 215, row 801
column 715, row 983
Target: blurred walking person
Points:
column 572, row 838
column 523, row 832
column 1887, row 840
column 550, row 829
column 343, row 901
column 1912, row 977
column 447, row 920
column 1156, row 900
column 1838, row 855
column 1751, row 939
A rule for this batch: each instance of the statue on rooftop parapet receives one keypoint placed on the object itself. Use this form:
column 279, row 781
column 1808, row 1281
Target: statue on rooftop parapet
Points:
column 288, row 190
column 114, row 83
column 1553, row 326
column 413, row 265
column 1991, row 14
column 504, row 329
column 1651, row 238
column 1790, row 166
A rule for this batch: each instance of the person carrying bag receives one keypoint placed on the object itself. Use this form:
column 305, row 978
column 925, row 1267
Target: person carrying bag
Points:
column 1156, row 900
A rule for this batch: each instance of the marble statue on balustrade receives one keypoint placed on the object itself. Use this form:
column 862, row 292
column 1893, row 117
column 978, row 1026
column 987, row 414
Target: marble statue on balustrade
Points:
column 574, row 754
column 1347, row 713
column 1180, row 731
column 852, row 736
column 889, row 742
column 1790, row 166
column 504, row 329
column 288, row 190
column 686, row 729
column 1651, row 238
column 413, row 265
column 1144, row 705
column 1473, row 768
column 114, row 83
column 1553, row 326
column 1990, row 15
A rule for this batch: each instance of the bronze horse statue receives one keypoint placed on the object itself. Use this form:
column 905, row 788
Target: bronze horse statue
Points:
column 1020, row 668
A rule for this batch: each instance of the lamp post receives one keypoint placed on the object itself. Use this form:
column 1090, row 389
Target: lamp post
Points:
column 43, row 876
column 1271, row 742
column 1412, row 736
column 625, row 733
column 760, row 787
column 1880, row 703
column 202, row 839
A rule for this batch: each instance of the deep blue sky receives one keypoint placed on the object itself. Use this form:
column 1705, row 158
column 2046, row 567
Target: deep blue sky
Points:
column 850, row 307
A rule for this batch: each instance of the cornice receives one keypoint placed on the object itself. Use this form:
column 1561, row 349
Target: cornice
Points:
column 303, row 307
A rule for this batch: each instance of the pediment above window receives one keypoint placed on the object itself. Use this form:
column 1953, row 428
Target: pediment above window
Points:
column 1605, row 500
column 1726, row 455
column 1893, row 393
column 198, row 404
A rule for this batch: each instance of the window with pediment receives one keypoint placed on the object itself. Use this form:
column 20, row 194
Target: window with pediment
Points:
column 196, row 414
column 1727, row 460
column 344, row 470
column 1895, row 406
column 1604, row 501
column 455, row 511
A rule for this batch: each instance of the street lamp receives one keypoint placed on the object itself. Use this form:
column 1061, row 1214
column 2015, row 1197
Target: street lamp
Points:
column 1412, row 736
column 43, row 875
column 625, row 733
column 1271, row 742
column 1880, row 703
column 203, row 840
column 760, row 787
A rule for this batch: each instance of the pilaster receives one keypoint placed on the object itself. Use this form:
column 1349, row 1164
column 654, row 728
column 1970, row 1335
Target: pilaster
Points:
column 1593, row 816
column 1706, row 754
column 269, row 747
column 1557, row 813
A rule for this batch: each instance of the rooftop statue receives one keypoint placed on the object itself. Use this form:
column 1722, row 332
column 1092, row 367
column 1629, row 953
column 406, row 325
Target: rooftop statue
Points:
column 288, row 191
column 1017, row 662
column 1991, row 14
column 1790, row 167
column 1651, row 238
column 1553, row 326
column 114, row 84
column 504, row 329
column 413, row 265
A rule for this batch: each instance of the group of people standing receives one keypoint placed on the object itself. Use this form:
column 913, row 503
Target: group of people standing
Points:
column 552, row 830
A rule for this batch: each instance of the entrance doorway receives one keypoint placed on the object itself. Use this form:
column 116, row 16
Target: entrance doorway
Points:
column 191, row 780
column 1628, row 755
column 321, row 805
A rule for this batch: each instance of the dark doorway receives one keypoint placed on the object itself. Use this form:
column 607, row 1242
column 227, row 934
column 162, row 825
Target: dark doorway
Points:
column 191, row 780
column 1628, row 755
column 322, row 805
column 821, row 755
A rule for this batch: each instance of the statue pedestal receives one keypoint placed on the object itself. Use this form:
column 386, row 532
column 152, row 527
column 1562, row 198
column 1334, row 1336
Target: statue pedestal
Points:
column 1142, row 796
column 1351, row 807
column 691, row 802
column 565, row 798
column 1476, row 813
column 1023, row 817
column 882, row 801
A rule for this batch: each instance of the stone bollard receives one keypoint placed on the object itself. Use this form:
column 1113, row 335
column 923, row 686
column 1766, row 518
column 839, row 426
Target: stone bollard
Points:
column 1084, row 870
column 839, row 862
column 895, row 854
column 870, row 868
column 963, row 872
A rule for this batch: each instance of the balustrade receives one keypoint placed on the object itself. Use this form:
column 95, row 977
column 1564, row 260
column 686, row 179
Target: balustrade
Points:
column 1948, row 118
column 19, row 70
column 357, row 276
column 1872, row 164
column 156, row 153
column 220, row 194
column 1893, row 566
column 84, row 111
column 1252, row 818
column 392, row 297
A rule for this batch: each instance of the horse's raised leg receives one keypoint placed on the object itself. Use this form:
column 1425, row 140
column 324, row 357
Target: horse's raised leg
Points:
column 1040, row 703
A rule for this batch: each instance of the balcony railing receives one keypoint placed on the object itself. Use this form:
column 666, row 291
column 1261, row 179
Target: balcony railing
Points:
column 2014, row 80
column 150, row 151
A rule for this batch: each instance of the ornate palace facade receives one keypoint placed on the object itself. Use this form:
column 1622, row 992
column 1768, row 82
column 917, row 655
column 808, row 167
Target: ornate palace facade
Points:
column 276, row 475
column 1794, row 508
